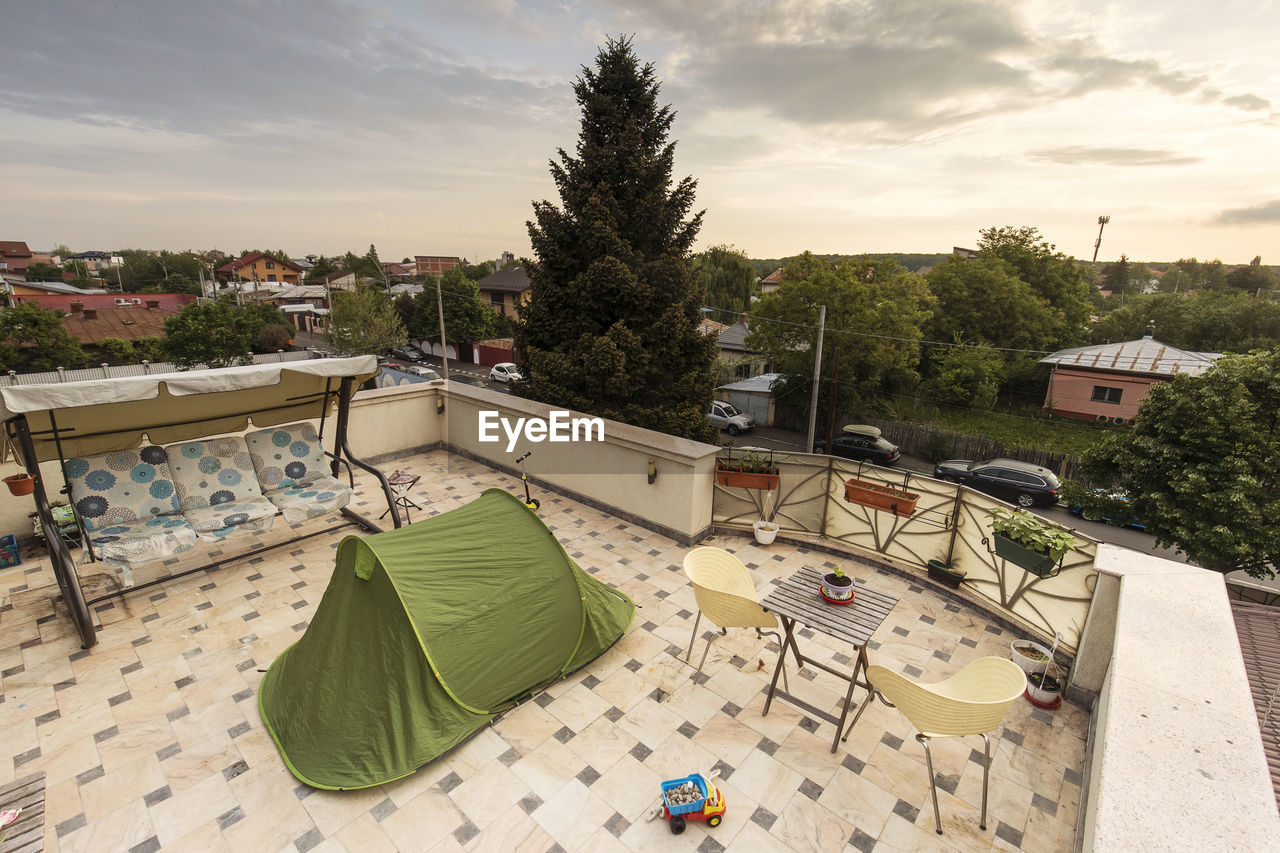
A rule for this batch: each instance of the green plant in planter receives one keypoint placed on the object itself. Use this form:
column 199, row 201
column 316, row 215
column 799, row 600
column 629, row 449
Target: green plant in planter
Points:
column 1032, row 532
column 756, row 462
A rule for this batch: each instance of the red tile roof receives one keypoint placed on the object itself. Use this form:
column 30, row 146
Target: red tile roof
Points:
column 245, row 260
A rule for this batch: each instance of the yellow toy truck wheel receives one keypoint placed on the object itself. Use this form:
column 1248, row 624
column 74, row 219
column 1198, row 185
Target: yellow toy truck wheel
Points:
column 714, row 820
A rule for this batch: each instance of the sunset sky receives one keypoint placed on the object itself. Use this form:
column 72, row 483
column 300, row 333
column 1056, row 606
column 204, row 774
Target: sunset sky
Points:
column 426, row 127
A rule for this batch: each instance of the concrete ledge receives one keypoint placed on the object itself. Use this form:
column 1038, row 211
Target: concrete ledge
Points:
column 1177, row 761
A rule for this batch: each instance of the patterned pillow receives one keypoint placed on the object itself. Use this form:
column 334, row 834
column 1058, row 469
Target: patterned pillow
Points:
column 122, row 486
column 213, row 471
column 287, row 456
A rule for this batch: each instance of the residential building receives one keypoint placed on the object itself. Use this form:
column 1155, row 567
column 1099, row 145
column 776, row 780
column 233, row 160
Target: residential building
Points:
column 772, row 281
column 505, row 289
column 15, row 257
column 735, row 357
column 434, row 264
column 752, row 396
column 336, row 280
column 130, row 322
column 260, row 267
column 307, row 306
column 42, row 291
column 71, row 299
column 1108, row 382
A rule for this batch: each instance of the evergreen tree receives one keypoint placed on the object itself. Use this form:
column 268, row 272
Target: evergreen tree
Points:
column 612, row 325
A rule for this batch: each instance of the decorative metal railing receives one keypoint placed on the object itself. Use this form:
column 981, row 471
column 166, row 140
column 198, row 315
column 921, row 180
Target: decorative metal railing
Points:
column 911, row 519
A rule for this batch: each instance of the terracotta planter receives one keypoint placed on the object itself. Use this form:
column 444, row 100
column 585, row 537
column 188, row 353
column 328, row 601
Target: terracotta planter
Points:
column 744, row 480
column 881, row 497
column 20, row 484
column 1037, row 563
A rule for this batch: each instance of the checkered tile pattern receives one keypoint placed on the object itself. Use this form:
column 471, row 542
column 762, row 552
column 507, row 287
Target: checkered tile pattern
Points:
column 152, row 739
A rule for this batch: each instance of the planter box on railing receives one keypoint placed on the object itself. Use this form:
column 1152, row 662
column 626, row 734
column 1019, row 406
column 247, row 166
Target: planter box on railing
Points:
column 881, row 497
column 745, row 479
column 1035, row 562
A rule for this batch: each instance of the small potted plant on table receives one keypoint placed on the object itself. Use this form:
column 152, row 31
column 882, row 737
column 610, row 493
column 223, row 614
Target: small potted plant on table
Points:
column 837, row 587
column 1029, row 541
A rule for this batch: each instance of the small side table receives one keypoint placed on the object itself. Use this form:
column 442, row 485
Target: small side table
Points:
column 402, row 483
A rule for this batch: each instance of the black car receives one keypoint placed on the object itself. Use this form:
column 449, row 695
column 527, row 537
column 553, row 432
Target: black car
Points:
column 1021, row 482
column 861, row 443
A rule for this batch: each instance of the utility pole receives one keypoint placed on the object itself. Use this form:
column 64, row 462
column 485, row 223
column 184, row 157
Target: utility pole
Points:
column 817, row 375
column 444, row 347
column 1102, row 223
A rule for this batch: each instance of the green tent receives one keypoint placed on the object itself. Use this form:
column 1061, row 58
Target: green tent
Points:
column 427, row 633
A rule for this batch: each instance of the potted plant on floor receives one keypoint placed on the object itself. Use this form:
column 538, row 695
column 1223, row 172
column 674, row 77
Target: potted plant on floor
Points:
column 941, row 571
column 753, row 470
column 1044, row 683
column 20, row 484
column 837, row 587
column 1029, row 541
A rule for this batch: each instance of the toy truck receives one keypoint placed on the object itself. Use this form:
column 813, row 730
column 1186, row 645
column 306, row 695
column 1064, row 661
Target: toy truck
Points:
column 691, row 798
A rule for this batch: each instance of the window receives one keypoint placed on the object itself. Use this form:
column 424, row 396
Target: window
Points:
column 1103, row 394
column 742, row 370
column 271, row 277
column 497, row 300
column 271, row 265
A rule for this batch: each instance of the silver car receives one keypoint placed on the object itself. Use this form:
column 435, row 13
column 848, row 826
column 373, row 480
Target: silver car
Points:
column 726, row 417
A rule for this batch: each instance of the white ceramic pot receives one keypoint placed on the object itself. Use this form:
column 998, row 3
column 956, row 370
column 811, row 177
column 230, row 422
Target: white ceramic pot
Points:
column 1028, row 664
column 765, row 531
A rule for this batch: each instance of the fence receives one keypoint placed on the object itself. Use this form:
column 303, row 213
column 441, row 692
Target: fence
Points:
column 147, row 368
column 946, row 522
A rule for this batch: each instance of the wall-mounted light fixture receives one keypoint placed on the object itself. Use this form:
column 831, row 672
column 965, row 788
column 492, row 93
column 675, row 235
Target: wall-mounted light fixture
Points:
column 439, row 405
column 653, row 470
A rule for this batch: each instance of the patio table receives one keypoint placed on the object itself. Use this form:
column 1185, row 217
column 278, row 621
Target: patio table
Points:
column 797, row 602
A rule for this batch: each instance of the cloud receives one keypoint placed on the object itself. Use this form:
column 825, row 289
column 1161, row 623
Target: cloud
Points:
column 1248, row 102
column 1079, row 155
column 1267, row 213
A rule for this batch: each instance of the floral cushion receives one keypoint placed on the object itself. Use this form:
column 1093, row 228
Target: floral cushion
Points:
column 287, row 456
column 319, row 497
column 294, row 473
column 128, row 502
column 217, row 486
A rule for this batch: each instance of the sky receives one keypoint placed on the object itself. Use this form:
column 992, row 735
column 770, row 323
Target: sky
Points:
column 841, row 126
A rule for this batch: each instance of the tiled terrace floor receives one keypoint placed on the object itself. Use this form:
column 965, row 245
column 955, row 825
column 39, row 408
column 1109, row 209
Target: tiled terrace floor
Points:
column 153, row 740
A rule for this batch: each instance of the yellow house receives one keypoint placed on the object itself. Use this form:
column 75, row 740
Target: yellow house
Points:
column 256, row 266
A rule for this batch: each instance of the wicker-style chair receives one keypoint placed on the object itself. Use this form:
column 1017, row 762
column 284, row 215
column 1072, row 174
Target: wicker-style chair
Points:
column 972, row 702
column 727, row 596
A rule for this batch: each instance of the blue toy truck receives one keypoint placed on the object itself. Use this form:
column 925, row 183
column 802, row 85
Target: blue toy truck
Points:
column 691, row 798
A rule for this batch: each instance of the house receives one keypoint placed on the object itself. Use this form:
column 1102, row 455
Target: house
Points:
column 128, row 322
column 43, row 291
column 336, row 280
column 15, row 257
column 257, row 266
column 307, row 306
column 735, row 357
column 72, row 300
column 395, row 270
column 772, row 281
column 1108, row 382
column 505, row 289
column 434, row 264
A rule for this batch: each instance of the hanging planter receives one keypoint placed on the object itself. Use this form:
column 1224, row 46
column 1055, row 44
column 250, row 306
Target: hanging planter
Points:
column 1029, row 656
column 765, row 531
column 20, row 484
column 880, row 497
column 752, row 471
column 1029, row 541
column 1044, row 690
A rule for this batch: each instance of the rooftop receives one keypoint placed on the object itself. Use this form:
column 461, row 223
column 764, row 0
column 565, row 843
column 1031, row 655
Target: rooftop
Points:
column 154, row 737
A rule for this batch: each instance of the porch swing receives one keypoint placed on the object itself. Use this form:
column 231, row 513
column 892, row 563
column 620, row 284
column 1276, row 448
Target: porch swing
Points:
column 126, row 433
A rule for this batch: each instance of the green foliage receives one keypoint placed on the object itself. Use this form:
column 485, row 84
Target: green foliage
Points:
column 44, row 272
column 33, row 339
column 215, row 334
column 118, row 351
column 323, row 266
column 1253, row 278
column 144, row 271
column 984, row 301
column 1031, row 531
column 875, row 310
column 1204, row 321
column 1190, row 274
column 466, row 316
column 363, row 321
column 1201, row 464
column 612, row 325
column 965, row 376
column 727, row 278
column 273, row 337
column 1056, row 278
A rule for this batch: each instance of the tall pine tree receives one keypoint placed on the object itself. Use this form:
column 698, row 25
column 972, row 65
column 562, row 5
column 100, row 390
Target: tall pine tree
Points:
column 612, row 325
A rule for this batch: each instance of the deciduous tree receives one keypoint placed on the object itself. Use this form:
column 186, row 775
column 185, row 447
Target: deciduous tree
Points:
column 728, row 279
column 612, row 326
column 33, row 339
column 1201, row 465
column 364, row 321
column 1056, row 278
column 215, row 334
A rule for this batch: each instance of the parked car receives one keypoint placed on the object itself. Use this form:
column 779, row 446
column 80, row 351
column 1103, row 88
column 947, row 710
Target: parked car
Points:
column 505, row 372
column 423, row 371
column 1120, row 516
column 862, row 443
column 1021, row 482
column 406, row 354
column 726, row 417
